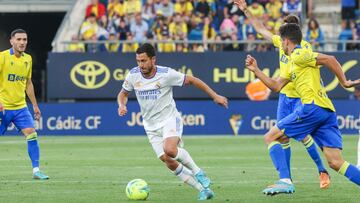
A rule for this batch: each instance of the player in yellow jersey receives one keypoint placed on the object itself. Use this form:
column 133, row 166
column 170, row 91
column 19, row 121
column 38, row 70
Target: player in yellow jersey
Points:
column 317, row 114
column 15, row 80
column 288, row 97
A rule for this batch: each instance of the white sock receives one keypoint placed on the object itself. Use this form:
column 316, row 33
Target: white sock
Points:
column 358, row 152
column 184, row 157
column 286, row 180
column 187, row 177
column 36, row 169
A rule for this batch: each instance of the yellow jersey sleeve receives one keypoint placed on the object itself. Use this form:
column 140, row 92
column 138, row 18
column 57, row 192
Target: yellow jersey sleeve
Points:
column 30, row 68
column 2, row 60
column 276, row 40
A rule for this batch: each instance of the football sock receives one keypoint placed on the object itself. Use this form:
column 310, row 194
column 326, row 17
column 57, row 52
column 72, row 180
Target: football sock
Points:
column 287, row 150
column 351, row 172
column 358, row 152
column 314, row 154
column 278, row 158
column 33, row 149
column 184, row 157
column 187, row 177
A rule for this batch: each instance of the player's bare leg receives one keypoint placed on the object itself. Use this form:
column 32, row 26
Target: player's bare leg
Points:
column 336, row 162
column 186, row 166
column 34, row 152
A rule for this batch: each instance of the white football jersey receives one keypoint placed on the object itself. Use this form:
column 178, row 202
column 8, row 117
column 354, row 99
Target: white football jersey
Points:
column 155, row 95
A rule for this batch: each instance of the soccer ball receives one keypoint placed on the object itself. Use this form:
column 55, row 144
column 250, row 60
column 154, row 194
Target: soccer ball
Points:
column 137, row 189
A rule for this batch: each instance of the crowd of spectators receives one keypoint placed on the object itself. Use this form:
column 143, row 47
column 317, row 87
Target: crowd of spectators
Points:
column 170, row 21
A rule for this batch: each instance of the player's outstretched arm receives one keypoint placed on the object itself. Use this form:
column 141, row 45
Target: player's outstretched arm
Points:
column 331, row 63
column 274, row 85
column 258, row 24
column 122, row 99
column 191, row 80
column 31, row 94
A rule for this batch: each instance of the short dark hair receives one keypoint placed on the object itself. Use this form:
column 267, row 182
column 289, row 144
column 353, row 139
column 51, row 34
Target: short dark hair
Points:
column 292, row 19
column 146, row 48
column 16, row 31
column 292, row 32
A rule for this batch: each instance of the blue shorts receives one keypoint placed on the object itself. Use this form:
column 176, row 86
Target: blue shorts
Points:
column 286, row 106
column 311, row 119
column 21, row 119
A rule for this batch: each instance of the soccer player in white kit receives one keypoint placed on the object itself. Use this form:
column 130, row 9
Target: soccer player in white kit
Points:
column 162, row 122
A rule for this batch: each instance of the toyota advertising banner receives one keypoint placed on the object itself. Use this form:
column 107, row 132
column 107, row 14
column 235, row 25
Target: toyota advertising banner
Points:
column 100, row 75
column 199, row 118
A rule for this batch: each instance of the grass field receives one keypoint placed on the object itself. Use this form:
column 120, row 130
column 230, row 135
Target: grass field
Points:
column 96, row 169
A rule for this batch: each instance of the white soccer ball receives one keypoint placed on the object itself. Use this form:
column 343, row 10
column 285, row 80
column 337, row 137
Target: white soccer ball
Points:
column 137, row 189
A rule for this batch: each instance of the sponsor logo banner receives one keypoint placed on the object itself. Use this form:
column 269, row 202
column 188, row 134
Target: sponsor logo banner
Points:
column 100, row 75
column 199, row 118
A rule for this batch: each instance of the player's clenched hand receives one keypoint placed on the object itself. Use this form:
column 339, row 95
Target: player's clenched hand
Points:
column 351, row 83
column 1, row 107
column 241, row 4
column 251, row 63
column 221, row 101
column 122, row 110
column 37, row 113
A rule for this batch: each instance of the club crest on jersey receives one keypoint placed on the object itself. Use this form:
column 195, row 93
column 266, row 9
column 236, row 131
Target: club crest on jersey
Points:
column 12, row 63
column 138, row 84
column 26, row 64
column 293, row 76
column 158, row 85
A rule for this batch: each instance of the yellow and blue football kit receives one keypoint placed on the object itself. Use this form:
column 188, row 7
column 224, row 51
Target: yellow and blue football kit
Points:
column 289, row 102
column 317, row 114
column 14, row 74
column 289, row 99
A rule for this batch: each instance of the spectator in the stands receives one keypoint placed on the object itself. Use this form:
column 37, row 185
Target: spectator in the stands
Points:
column 196, row 28
column 139, row 28
column 130, row 46
column 76, row 46
column 167, row 46
column 273, row 8
column 92, row 47
column 103, row 33
column 167, row 8
column 123, row 29
column 292, row 7
column 178, row 28
column 315, row 35
column 116, row 8
column 112, row 45
column 157, row 4
column 202, row 8
column 256, row 9
column 184, row 7
column 209, row 33
column 96, row 8
column 227, row 28
column 89, row 27
column 231, row 9
column 148, row 12
column 348, row 8
column 132, row 7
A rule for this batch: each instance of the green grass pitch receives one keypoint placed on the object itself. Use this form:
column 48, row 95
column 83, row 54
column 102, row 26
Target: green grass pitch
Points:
column 97, row 169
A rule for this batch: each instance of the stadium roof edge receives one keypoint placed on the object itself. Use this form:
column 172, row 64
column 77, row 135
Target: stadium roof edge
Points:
column 28, row 6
